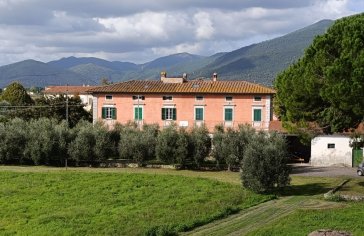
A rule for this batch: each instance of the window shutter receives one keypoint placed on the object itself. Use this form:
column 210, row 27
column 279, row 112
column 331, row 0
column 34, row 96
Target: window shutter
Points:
column 174, row 115
column 138, row 113
column 103, row 113
column 163, row 113
column 257, row 115
column 228, row 114
column 113, row 113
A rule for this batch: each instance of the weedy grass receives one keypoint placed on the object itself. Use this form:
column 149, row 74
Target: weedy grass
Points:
column 108, row 203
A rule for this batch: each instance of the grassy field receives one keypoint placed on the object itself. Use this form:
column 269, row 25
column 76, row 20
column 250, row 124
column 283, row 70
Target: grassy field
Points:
column 342, row 216
column 47, row 201
column 348, row 217
column 118, row 201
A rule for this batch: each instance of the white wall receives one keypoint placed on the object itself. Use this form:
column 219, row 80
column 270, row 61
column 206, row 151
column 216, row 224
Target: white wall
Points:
column 321, row 155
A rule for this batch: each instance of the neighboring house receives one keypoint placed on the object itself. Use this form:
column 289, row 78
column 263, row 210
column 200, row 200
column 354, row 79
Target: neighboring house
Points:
column 71, row 91
column 331, row 150
column 184, row 102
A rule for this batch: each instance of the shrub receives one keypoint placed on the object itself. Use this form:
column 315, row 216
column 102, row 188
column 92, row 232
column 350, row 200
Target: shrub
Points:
column 12, row 140
column 183, row 144
column 40, row 140
column 64, row 136
column 201, row 144
column 264, row 166
column 102, row 148
column 229, row 145
column 137, row 144
column 167, row 144
column 81, row 148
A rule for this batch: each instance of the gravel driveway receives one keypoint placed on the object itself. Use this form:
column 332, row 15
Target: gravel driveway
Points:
column 308, row 170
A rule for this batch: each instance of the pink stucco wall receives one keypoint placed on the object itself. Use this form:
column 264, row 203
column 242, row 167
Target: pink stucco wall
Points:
column 213, row 108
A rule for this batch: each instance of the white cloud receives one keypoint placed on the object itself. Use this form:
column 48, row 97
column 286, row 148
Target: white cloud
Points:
column 203, row 25
column 143, row 30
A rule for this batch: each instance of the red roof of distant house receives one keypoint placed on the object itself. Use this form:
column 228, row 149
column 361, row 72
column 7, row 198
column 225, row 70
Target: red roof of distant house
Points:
column 68, row 89
column 276, row 125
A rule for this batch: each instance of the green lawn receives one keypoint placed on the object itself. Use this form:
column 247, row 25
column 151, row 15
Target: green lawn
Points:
column 345, row 216
column 348, row 218
column 54, row 202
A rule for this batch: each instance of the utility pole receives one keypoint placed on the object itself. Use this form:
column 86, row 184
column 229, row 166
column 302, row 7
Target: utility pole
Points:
column 65, row 163
column 67, row 104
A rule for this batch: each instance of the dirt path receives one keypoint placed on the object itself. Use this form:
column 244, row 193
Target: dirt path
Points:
column 253, row 218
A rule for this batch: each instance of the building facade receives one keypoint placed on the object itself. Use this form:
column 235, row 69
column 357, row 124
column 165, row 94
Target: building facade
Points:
column 185, row 102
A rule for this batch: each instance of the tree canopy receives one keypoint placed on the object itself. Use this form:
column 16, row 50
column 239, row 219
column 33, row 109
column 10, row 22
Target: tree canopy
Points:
column 16, row 95
column 326, row 86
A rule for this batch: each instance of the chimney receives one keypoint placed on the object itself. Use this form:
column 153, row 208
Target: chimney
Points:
column 163, row 75
column 184, row 76
column 214, row 76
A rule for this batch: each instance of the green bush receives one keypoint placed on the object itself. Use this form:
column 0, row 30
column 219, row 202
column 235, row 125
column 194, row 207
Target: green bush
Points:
column 264, row 167
column 40, row 140
column 137, row 144
column 167, row 144
column 229, row 145
column 81, row 148
column 13, row 140
column 201, row 144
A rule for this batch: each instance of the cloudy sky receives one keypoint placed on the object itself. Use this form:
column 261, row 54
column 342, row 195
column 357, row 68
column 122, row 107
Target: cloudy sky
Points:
column 142, row 30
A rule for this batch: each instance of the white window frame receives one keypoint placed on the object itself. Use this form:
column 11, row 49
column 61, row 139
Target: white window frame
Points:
column 138, row 106
column 108, row 115
column 203, row 113
column 261, row 114
column 233, row 115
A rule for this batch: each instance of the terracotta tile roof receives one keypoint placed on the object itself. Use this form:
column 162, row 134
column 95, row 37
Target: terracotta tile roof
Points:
column 67, row 89
column 276, row 125
column 191, row 86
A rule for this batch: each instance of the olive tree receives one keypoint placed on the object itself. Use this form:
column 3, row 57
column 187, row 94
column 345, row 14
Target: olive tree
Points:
column 264, row 166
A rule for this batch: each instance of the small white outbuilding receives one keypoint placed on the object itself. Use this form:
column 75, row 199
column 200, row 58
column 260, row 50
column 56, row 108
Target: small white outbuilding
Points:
column 331, row 150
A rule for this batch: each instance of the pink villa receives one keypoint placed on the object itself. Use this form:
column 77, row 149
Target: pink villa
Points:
column 185, row 102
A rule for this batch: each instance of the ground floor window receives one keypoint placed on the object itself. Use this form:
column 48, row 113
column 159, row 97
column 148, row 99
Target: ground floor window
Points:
column 138, row 113
column 109, row 113
column 257, row 115
column 169, row 113
column 199, row 113
column 228, row 114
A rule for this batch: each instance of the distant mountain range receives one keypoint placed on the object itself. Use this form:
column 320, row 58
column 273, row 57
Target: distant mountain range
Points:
column 258, row 63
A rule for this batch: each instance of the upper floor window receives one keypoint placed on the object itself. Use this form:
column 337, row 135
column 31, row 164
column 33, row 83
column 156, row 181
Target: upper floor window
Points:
column 229, row 98
column 108, row 97
column 199, row 98
column 167, row 98
column 257, row 98
column 138, row 97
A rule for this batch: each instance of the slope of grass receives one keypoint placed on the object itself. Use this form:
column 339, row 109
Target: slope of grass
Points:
column 94, row 203
column 302, row 222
